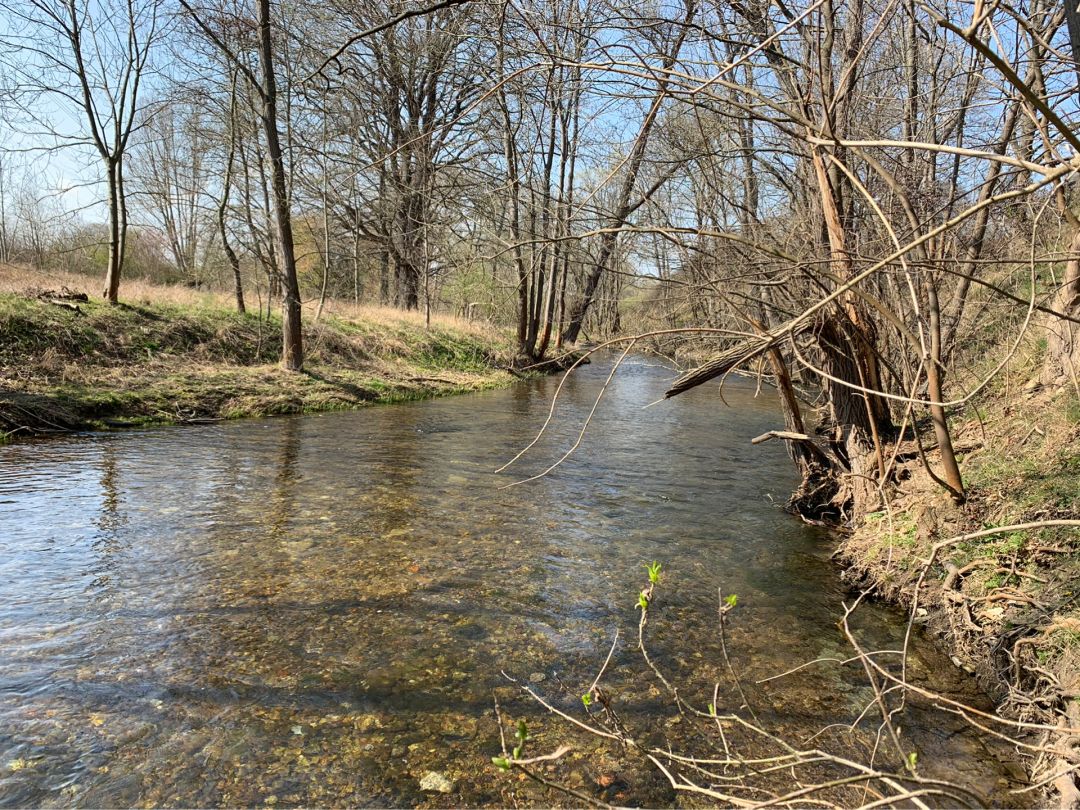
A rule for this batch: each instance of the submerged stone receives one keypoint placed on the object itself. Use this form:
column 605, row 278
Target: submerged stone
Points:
column 435, row 782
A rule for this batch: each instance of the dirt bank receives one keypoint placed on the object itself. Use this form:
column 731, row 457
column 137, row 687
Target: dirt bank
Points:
column 1005, row 603
column 173, row 355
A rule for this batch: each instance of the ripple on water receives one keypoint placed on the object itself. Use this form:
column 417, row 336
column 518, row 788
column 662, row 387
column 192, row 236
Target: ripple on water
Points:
column 316, row 610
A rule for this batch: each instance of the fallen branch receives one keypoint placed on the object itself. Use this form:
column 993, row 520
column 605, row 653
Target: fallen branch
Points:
column 59, row 302
column 823, row 456
column 781, row 434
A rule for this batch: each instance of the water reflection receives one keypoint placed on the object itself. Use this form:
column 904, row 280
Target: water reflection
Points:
column 316, row 610
column 108, row 543
column 285, row 481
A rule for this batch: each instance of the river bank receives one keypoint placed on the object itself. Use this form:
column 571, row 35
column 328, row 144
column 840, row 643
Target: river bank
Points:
column 1004, row 605
column 172, row 355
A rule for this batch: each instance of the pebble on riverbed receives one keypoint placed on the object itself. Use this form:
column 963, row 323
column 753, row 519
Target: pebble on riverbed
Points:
column 435, row 782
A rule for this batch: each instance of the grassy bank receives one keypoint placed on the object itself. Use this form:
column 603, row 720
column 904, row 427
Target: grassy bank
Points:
column 1007, row 604
column 175, row 355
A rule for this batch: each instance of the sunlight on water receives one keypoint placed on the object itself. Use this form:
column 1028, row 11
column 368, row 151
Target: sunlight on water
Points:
column 316, row 610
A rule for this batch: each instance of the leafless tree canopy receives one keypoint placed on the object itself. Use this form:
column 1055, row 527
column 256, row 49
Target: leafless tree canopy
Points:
column 838, row 194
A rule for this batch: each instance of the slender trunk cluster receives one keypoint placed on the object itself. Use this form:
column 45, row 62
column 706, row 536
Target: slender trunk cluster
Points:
column 839, row 194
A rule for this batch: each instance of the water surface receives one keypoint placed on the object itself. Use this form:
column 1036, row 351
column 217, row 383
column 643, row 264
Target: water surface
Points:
column 316, row 610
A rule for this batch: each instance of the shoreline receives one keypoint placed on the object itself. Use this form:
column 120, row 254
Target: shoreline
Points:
column 176, row 356
column 89, row 408
column 993, row 580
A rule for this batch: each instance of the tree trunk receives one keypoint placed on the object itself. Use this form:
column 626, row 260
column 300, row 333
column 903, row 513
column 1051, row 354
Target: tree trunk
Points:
column 230, row 254
column 326, row 237
column 1062, row 364
column 408, row 284
column 935, row 376
column 384, row 277
column 855, row 435
column 848, row 342
column 116, row 253
column 292, row 354
column 223, row 208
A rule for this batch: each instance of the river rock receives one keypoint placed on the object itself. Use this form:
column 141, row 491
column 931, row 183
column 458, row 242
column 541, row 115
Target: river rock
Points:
column 367, row 722
column 435, row 782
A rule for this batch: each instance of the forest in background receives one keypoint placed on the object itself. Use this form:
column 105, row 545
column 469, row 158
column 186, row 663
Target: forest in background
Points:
column 870, row 206
column 850, row 196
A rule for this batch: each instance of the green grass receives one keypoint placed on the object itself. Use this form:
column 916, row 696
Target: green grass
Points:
column 902, row 533
column 1030, row 482
column 1072, row 410
column 998, row 546
column 168, row 362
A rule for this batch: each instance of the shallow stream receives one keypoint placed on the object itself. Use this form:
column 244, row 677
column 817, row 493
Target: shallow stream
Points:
column 317, row 610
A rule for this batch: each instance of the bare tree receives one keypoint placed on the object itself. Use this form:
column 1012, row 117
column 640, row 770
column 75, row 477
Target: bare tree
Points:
column 265, row 86
column 5, row 228
column 226, row 192
column 90, row 61
column 676, row 33
column 170, row 176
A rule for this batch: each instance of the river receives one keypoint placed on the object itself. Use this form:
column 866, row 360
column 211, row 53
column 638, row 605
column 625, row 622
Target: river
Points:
column 317, row 610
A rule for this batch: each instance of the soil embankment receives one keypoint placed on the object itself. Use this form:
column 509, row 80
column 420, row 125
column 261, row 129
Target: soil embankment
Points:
column 1005, row 602
column 175, row 355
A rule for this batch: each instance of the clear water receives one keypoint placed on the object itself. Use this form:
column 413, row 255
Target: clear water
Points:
column 316, row 610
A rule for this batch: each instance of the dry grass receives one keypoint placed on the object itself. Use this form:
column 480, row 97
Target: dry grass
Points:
column 18, row 279
column 380, row 314
column 176, row 354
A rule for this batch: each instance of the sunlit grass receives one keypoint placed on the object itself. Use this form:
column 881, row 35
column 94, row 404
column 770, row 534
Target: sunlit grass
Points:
column 20, row 279
column 172, row 353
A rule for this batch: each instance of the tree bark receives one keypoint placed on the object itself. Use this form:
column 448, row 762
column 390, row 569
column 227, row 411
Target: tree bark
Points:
column 116, row 249
column 230, row 254
column 292, row 353
column 935, row 376
column 1062, row 363
column 223, row 207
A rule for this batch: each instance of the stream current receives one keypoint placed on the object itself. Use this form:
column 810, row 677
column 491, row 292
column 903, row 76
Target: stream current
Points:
column 318, row 610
